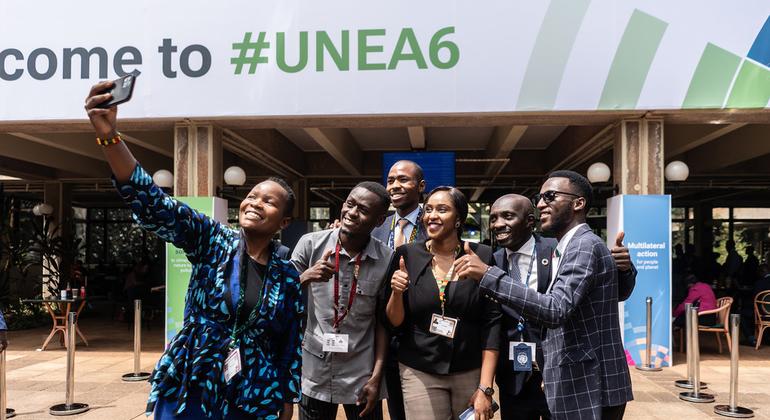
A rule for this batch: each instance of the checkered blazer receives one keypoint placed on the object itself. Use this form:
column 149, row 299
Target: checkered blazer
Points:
column 585, row 364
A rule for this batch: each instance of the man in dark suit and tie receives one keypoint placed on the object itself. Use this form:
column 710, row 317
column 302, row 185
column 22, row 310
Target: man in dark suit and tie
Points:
column 405, row 185
column 585, row 371
column 525, row 256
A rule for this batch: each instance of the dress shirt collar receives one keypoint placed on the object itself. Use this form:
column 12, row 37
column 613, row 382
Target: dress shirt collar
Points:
column 411, row 217
column 527, row 249
column 562, row 245
column 369, row 251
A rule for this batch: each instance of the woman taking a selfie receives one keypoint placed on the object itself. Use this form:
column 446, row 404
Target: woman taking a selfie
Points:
column 449, row 334
column 238, row 353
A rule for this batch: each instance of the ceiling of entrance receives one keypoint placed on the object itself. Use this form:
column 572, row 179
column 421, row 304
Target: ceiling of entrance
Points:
column 728, row 153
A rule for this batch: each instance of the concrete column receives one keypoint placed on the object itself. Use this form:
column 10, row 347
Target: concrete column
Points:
column 59, row 196
column 197, row 159
column 639, row 156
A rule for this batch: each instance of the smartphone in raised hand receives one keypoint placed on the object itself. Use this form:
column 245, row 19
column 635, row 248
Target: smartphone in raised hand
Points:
column 121, row 91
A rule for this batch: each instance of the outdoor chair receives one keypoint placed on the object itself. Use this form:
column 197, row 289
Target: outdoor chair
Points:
column 761, row 314
column 722, row 326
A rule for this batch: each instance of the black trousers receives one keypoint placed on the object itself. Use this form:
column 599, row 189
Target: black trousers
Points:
column 615, row 412
column 313, row 409
column 528, row 404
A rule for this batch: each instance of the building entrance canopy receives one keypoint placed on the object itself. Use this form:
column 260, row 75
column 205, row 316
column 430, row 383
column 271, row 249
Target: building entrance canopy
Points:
column 275, row 58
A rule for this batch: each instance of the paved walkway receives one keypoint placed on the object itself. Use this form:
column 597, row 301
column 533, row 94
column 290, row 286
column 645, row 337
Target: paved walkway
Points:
column 36, row 379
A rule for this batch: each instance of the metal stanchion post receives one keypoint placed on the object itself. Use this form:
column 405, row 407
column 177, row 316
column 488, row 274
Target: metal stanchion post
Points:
column 136, row 375
column 733, row 410
column 687, row 383
column 70, row 407
column 695, row 395
column 648, row 365
column 5, row 412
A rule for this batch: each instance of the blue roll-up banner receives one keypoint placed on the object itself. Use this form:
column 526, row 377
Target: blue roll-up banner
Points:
column 646, row 221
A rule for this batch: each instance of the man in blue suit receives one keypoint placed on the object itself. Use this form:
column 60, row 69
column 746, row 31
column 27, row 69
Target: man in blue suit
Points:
column 405, row 185
column 585, row 370
column 511, row 221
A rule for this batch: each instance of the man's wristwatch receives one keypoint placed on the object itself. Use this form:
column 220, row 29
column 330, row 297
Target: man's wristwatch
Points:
column 487, row 390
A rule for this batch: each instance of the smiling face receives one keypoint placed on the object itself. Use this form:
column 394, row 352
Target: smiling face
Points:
column 511, row 220
column 440, row 216
column 262, row 211
column 404, row 185
column 361, row 212
column 558, row 215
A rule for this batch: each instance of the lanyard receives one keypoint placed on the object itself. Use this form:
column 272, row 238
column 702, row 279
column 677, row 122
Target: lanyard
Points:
column 339, row 315
column 522, row 324
column 529, row 270
column 412, row 236
column 240, row 261
column 442, row 284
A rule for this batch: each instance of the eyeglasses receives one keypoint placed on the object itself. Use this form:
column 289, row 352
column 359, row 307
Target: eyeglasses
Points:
column 550, row 196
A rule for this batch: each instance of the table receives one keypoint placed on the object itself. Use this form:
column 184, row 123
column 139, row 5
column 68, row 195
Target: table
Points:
column 59, row 317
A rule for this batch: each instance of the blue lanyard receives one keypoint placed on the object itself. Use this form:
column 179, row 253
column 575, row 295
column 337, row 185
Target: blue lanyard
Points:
column 522, row 325
column 529, row 269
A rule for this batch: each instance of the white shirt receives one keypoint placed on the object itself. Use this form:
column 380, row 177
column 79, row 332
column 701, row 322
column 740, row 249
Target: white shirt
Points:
column 526, row 256
column 412, row 218
column 559, row 252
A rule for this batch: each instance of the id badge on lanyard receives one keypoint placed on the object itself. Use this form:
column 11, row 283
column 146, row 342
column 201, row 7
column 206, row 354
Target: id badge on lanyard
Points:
column 443, row 325
column 232, row 364
column 336, row 342
column 521, row 352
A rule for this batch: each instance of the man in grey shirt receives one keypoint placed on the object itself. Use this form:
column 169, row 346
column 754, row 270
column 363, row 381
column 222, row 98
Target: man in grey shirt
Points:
column 345, row 345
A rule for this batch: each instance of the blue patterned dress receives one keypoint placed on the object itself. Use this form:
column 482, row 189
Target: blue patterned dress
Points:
column 191, row 368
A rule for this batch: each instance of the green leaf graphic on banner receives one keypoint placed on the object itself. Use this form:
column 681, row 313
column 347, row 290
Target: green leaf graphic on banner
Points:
column 632, row 61
column 712, row 78
column 551, row 51
column 751, row 88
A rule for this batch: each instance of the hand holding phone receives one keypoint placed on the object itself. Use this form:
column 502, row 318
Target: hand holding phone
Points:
column 121, row 91
column 470, row 413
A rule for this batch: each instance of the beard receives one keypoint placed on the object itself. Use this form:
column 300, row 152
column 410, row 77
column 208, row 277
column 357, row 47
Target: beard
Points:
column 558, row 223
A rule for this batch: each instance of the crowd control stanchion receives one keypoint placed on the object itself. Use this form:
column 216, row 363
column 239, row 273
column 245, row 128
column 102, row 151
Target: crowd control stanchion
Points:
column 70, row 407
column 648, row 365
column 5, row 412
column 687, row 383
column 733, row 410
column 695, row 395
column 136, row 375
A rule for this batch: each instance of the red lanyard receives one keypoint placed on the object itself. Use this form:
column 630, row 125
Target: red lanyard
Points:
column 340, row 315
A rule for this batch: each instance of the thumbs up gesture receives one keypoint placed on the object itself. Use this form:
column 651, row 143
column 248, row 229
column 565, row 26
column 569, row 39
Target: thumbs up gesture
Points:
column 620, row 253
column 322, row 270
column 470, row 266
column 400, row 280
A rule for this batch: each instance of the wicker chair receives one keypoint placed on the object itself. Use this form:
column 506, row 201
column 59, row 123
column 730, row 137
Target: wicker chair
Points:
column 722, row 326
column 761, row 314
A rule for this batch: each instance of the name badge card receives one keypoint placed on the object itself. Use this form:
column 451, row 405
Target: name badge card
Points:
column 522, row 358
column 443, row 325
column 232, row 364
column 335, row 343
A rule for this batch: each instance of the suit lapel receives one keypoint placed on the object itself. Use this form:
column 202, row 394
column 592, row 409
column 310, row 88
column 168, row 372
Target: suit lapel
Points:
column 571, row 245
column 500, row 260
column 418, row 260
